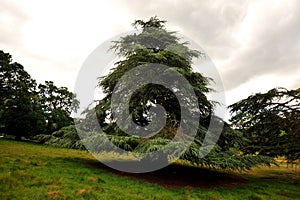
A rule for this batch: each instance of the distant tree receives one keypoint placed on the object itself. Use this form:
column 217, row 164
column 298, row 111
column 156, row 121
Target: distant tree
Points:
column 27, row 109
column 57, row 104
column 20, row 111
column 271, row 121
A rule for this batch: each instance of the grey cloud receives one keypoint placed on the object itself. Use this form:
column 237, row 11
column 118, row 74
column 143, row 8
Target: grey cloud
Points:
column 275, row 41
column 275, row 48
column 209, row 23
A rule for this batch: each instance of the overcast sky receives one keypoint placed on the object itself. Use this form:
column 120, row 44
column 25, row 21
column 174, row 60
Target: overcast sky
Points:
column 255, row 45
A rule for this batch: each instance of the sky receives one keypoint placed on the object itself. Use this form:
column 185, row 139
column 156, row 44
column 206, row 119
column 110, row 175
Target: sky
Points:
column 255, row 45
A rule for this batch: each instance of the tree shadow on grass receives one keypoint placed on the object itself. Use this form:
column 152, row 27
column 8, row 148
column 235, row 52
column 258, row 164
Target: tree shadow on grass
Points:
column 173, row 176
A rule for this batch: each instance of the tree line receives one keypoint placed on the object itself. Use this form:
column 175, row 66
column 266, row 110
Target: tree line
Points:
column 28, row 108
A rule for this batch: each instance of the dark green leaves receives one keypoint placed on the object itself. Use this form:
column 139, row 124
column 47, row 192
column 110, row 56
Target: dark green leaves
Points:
column 271, row 122
column 26, row 109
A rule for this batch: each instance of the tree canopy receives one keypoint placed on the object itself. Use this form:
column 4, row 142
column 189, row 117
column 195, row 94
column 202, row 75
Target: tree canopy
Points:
column 27, row 109
column 153, row 45
column 20, row 115
column 271, row 121
column 57, row 104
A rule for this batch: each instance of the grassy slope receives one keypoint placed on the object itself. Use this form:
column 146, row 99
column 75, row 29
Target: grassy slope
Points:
column 30, row 171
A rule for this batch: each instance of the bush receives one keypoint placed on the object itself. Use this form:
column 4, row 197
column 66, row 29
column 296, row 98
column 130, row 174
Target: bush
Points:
column 66, row 137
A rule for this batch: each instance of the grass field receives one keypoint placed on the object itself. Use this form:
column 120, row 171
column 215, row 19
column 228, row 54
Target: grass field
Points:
column 31, row 171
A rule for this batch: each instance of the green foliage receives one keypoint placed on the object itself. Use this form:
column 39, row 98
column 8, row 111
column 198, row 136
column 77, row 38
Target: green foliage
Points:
column 66, row 137
column 57, row 104
column 271, row 122
column 20, row 112
column 152, row 46
column 27, row 109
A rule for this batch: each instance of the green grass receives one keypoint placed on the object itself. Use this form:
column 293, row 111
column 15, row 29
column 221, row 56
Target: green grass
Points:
column 31, row 171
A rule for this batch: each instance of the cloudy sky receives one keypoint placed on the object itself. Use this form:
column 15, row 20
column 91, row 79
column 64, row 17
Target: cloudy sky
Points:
column 255, row 45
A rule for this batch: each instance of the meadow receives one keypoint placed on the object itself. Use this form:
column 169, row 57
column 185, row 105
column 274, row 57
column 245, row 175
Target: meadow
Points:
column 33, row 171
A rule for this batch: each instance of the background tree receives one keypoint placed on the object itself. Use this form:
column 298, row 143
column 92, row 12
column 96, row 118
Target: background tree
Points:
column 271, row 121
column 27, row 109
column 155, row 45
column 20, row 111
column 57, row 104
